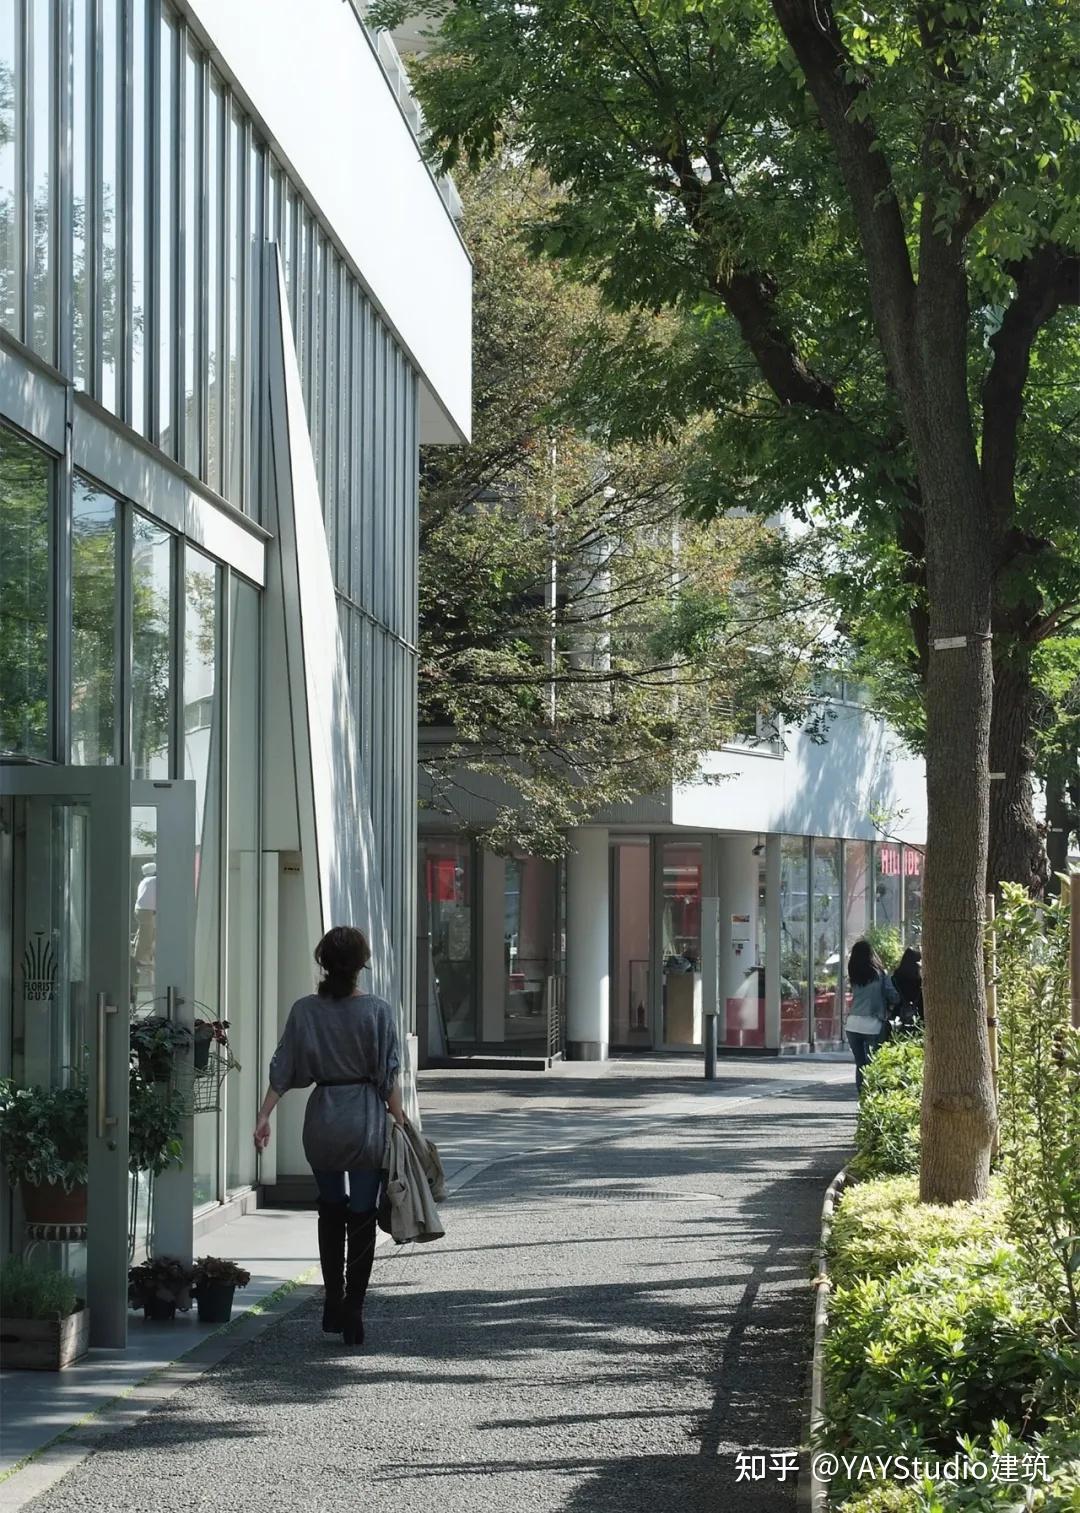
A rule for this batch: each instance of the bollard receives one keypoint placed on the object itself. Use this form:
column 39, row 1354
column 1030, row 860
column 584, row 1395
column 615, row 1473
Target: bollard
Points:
column 710, row 1047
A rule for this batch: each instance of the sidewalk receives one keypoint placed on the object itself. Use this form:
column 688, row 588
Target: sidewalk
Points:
column 619, row 1304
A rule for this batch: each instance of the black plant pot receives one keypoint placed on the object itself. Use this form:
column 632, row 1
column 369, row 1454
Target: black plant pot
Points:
column 215, row 1301
column 201, row 1054
column 159, row 1311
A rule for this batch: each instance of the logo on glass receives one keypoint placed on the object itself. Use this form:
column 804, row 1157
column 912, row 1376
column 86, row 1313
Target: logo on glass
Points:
column 39, row 970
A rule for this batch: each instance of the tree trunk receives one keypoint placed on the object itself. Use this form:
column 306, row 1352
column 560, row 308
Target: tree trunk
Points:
column 1016, row 851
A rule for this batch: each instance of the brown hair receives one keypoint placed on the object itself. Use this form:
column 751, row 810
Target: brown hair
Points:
column 342, row 954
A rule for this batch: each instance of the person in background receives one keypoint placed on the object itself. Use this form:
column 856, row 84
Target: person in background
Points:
column 872, row 998
column 346, row 1042
column 907, row 980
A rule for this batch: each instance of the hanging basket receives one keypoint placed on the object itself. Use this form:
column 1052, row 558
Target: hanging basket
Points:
column 201, row 1086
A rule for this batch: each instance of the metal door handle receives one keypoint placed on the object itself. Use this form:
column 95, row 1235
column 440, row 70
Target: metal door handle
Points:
column 104, row 1122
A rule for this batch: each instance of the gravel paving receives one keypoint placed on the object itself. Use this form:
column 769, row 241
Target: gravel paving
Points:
column 602, row 1329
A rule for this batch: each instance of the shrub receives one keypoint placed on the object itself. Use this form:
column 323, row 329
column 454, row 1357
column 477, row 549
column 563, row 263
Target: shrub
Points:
column 938, row 1350
column 881, row 1226
column 1039, row 1082
column 887, row 1125
column 43, row 1133
column 28, row 1292
column 209, row 1271
column 162, row 1279
column 887, row 942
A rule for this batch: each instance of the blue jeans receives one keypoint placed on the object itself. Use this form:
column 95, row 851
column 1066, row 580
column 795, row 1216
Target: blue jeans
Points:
column 363, row 1188
column 862, row 1048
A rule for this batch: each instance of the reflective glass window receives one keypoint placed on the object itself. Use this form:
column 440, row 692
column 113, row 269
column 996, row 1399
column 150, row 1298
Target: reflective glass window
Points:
column 213, row 290
column 253, row 395
column 95, row 626
column 82, row 175
column 826, row 942
column 165, row 205
column 12, row 105
column 194, row 293
column 234, row 429
column 446, row 917
column 151, row 648
column 888, row 895
column 242, row 945
column 794, row 939
column 857, row 900
column 110, row 301
column 913, row 894
column 43, row 118
column 680, row 943
column 137, row 265
column 24, row 597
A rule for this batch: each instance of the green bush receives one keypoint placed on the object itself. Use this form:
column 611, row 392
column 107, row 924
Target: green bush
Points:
column 887, row 1125
column 940, row 1349
column 881, row 1226
column 887, row 943
column 887, row 1497
column 43, row 1133
column 28, row 1292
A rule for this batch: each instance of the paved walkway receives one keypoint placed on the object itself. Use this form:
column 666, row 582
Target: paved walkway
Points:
column 620, row 1304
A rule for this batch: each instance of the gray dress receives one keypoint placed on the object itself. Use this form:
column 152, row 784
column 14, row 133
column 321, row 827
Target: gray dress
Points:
column 349, row 1048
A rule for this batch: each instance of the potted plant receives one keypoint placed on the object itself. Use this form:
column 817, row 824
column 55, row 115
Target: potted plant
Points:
column 43, row 1324
column 159, row 1287
column 155, row 1042
column 155, row 1138
column 43, row 1134
column 208, row 1032
column 215, row 1281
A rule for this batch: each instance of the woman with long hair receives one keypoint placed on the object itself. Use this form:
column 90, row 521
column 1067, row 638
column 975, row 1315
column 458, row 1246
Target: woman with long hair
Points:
column 872, row 996
column 345, row 1042
column 907, row 980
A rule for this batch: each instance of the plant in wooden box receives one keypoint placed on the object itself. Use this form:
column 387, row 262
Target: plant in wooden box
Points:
column 159, row 1287
column 44, row 1326
column 216, row 1280
column 43, row 1135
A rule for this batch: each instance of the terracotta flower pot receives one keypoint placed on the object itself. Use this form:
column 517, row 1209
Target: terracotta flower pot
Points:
column 48, row 1203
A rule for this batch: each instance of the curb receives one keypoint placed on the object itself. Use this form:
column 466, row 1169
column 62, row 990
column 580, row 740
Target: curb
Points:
column 813, row 1494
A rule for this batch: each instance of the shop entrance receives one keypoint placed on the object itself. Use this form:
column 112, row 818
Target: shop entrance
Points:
column 96, row 908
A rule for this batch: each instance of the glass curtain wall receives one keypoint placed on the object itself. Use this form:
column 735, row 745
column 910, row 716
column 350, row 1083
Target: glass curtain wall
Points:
column 26, row 488
column 447, row 885
column 794, row 940
column 681, row 867
column 858, row 903
column 888, row 885
column 529, row 909
column 95, row 627
column 827, row 941
column 242, row 934
column 913, row 894
column 631, row 893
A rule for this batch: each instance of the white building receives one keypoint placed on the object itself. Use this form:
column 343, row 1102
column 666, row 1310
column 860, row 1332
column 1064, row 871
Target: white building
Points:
column 233, row 304
column 739, row 897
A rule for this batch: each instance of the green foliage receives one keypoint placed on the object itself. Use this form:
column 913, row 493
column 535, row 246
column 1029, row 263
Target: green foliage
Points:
column 163, row 1279
column 43, row 1133
column 155, row 1114
column 880, row 1227
column 215, row 1270
column 1039, row 1080
column 886, row 1497
column 34, row 1292
column 887, row 1123
column 939, row 1349
column 888, row 943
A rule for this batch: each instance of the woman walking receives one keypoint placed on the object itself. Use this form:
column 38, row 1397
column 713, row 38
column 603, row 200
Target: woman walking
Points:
column 872, row 996
column 907, row 980
column 346, row 1043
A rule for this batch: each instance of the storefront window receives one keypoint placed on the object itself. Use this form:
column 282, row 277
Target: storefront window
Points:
column 681, row 869
column 528, row 937
column 24, row 597
column 446, row 880
column 95, row 622
column 242, row 944
column 888, row 879
column 794, row 940
column 826, row 941
column 857, row 906
column 913, row 894
column 632, row 917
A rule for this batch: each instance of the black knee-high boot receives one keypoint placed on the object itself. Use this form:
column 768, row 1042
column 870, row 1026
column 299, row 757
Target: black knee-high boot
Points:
column 361, row 1236
column 332, row 1261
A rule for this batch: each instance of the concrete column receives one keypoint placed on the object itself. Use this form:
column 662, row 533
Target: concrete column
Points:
column 773, row 860
column 587, row 951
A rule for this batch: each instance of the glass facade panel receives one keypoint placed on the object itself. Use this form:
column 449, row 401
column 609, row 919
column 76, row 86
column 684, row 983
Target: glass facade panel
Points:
column 632, row 925
column 857, row 902
column 82, row 136
column 25, row 597
column 215, row 244
column 95, row 627
column 680, row 943
column 151, row 648
column 446, row 881
column 109, row 300
column 43, row 16
column 137, row 201
column 913, row 894
column 794, row 940
column 164, row 202
column 234, row 426
column 194, row 292
column 528, row 942
column 11, row 142
column 253, row 299
column 888, row 886
column 827, row 974
column 242, row 943
column 202, row 762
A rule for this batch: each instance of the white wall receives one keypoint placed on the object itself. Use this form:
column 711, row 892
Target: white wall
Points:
column 312, row 79
column 862, row 769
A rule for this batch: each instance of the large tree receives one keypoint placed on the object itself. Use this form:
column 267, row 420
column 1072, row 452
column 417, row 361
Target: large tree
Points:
column 867, row 218
column 581, row 644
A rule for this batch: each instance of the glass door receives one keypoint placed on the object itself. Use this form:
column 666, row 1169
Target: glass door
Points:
column 65, row 931
column 96, row 890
